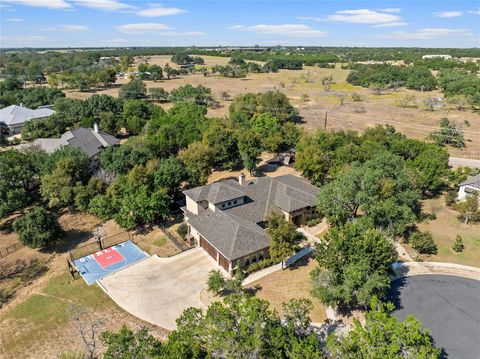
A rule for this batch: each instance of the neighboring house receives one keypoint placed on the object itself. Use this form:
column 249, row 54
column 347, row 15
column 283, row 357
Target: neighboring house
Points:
column 228, row 218
column 435, row 103
column 91, row 141
column 469, row 187
column 14, row 117
column 440, row 56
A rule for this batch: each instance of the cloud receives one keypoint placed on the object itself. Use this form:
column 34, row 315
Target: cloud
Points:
column 49, row 4
column 109, row 5
column 156, row 10
column 14, row 19
column 427, row 34
column 67, row 28
column 476, row 12
column 363, row 16
column 294, row 30
column 390, row 10
column 391, row 24
column 447, row 14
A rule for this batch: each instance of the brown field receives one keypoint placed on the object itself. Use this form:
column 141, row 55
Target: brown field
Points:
column 283, row 285
column 444, row 230
column 373, row 110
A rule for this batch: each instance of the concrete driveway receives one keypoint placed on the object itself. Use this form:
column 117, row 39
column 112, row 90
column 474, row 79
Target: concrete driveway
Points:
column 157, row 290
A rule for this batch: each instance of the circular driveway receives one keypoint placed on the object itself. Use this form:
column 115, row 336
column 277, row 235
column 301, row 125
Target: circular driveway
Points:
column 448, row 306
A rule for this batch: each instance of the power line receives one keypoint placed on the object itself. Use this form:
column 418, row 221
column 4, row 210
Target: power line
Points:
column 323, row 111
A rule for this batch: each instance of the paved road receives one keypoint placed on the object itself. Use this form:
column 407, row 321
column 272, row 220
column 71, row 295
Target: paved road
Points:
column 447, row 305
column 464, row 162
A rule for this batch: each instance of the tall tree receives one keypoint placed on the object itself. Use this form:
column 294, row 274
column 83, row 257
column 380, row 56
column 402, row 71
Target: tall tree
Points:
column 283, row 236
column 37, row 228
column 250, row 149
column 198, row 160
column 18, row 175
column 354, row 262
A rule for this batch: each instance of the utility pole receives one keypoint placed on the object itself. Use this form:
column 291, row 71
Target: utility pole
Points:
column 325, row 121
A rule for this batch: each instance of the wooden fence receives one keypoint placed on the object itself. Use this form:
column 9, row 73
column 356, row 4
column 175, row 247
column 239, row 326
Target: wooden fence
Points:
column 10, row 249
column 177, row 242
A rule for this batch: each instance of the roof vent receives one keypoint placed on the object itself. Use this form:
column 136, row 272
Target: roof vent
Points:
column 241, row 179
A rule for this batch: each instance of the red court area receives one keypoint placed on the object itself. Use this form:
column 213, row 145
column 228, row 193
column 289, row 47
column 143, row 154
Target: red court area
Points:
column 107, row 257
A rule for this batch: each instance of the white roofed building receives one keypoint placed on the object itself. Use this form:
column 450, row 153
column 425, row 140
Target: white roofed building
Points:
column 14, row 117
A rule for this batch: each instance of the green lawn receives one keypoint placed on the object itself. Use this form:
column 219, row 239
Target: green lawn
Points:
column 44, row 315
column 444, row 230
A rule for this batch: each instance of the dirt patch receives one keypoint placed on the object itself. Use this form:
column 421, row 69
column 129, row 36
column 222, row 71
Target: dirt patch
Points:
column 283, row 285
column 306, row 91
column 155, row 242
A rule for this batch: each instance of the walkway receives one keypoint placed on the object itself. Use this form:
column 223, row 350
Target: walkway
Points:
column 464, row 162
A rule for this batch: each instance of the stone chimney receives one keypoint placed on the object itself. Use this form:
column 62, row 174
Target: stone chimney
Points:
column 241, row 179
column 95, row 127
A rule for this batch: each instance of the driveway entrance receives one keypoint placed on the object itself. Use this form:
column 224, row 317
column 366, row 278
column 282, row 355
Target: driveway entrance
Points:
column 157, row 290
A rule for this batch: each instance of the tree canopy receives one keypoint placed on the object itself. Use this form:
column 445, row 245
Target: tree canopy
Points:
column 354, row 262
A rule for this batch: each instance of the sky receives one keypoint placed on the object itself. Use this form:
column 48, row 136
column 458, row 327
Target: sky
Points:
column 119, row 23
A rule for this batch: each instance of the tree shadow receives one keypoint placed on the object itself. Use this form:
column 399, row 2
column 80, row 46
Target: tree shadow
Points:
column 69, row 240
column 253, row 290
column 394, row 294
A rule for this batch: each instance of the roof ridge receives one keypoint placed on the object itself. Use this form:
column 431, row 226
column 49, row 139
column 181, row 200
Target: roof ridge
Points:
column 268, row 199
column 299, row 178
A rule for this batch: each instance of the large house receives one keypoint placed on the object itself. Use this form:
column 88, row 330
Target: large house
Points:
column 469, row 187
column 91, row 141
column 14, row 117
column 228, row 218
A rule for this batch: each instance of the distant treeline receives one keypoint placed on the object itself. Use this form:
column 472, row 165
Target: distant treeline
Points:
column 307, row 55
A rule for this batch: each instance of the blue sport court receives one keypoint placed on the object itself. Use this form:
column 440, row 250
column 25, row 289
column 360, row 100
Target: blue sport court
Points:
column 98, row 265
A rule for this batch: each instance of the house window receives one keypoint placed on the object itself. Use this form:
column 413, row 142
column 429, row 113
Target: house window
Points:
column 229, row 203
column 223, row 205
column 235, row 202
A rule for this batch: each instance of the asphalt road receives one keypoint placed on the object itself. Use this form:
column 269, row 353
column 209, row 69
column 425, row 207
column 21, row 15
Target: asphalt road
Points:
column 448, row 306
column 464, row 162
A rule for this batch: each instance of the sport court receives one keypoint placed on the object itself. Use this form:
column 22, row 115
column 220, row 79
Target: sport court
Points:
column 100, row 264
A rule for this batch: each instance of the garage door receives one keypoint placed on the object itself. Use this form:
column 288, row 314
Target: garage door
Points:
column 208, row 248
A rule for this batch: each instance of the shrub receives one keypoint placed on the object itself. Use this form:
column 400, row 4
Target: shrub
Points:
column 182, row 230
column 133, row 89
column 37, row 228
column 423, row 242
column 233, row 285
column 216, row 281
column 264, row 263
column 356, row 97
column 313, row 221
column 458, row 245
column 450, row 198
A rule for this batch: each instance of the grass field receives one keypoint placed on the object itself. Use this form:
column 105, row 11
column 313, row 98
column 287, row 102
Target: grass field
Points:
column 283, row 285
column 444, row 230
column 40, row 326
